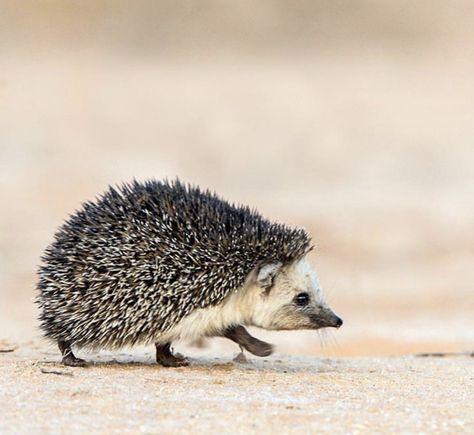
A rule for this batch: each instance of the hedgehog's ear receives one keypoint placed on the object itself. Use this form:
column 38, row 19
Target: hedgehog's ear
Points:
column 266, row 274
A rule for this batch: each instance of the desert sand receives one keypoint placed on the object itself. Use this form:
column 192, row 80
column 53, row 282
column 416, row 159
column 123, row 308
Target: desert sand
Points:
column 126, row 393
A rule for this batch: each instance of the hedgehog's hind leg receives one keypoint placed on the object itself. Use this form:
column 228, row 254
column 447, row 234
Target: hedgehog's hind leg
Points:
column 69, row 359
column 166, row 358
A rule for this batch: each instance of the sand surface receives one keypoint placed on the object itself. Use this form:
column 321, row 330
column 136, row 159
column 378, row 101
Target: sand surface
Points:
column 126, row 393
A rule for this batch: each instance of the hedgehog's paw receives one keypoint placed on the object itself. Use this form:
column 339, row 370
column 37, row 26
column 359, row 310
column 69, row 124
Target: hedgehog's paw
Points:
column 255, row 346
column 166, row 358
column 72, row 361
column 69, row 359
column 172, row 361
column 259, row 347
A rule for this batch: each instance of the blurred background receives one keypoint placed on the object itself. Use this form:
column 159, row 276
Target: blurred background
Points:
column 354, row 119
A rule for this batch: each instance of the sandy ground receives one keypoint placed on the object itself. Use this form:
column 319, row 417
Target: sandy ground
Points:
column 129, row 394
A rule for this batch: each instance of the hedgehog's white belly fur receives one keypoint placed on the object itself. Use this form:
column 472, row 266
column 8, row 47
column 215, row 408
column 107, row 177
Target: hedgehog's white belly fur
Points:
column 209, row 321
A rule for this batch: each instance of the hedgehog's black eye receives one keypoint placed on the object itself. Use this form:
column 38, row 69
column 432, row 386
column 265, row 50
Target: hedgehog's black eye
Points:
column 302, row 299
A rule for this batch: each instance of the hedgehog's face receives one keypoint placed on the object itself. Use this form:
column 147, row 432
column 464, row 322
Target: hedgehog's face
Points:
column 290, row 297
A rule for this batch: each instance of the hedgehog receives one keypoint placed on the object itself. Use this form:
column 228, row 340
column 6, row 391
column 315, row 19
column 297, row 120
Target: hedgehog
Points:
column 155, row 262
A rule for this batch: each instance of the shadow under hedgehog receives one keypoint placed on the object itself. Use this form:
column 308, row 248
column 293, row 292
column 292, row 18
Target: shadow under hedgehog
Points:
column 156, row 262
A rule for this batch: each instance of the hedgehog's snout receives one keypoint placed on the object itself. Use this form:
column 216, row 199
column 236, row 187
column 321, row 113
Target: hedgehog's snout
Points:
column 337, row 322
column 326, row 319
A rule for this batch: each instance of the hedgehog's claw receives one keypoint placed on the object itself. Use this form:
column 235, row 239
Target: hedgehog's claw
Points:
column 166, row 358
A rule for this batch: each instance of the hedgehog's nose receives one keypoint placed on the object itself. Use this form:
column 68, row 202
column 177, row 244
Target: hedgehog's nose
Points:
column 338, row 322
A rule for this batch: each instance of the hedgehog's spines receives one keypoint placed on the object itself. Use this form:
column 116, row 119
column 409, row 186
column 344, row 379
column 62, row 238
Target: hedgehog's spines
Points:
column 133, row 263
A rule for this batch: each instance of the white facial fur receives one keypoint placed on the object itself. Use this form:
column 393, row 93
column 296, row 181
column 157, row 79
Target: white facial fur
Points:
column 303, row 276
column 266, row 300
column 276, row 308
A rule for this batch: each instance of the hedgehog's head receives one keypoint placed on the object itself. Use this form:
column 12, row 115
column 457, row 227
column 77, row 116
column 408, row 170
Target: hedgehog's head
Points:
column 289, row 297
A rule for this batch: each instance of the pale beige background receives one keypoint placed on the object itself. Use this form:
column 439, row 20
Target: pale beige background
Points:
column 354, row 119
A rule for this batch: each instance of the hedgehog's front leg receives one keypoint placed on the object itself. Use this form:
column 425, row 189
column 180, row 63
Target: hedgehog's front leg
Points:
column 241, row 336
column 69, row 359
column 166, row 358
